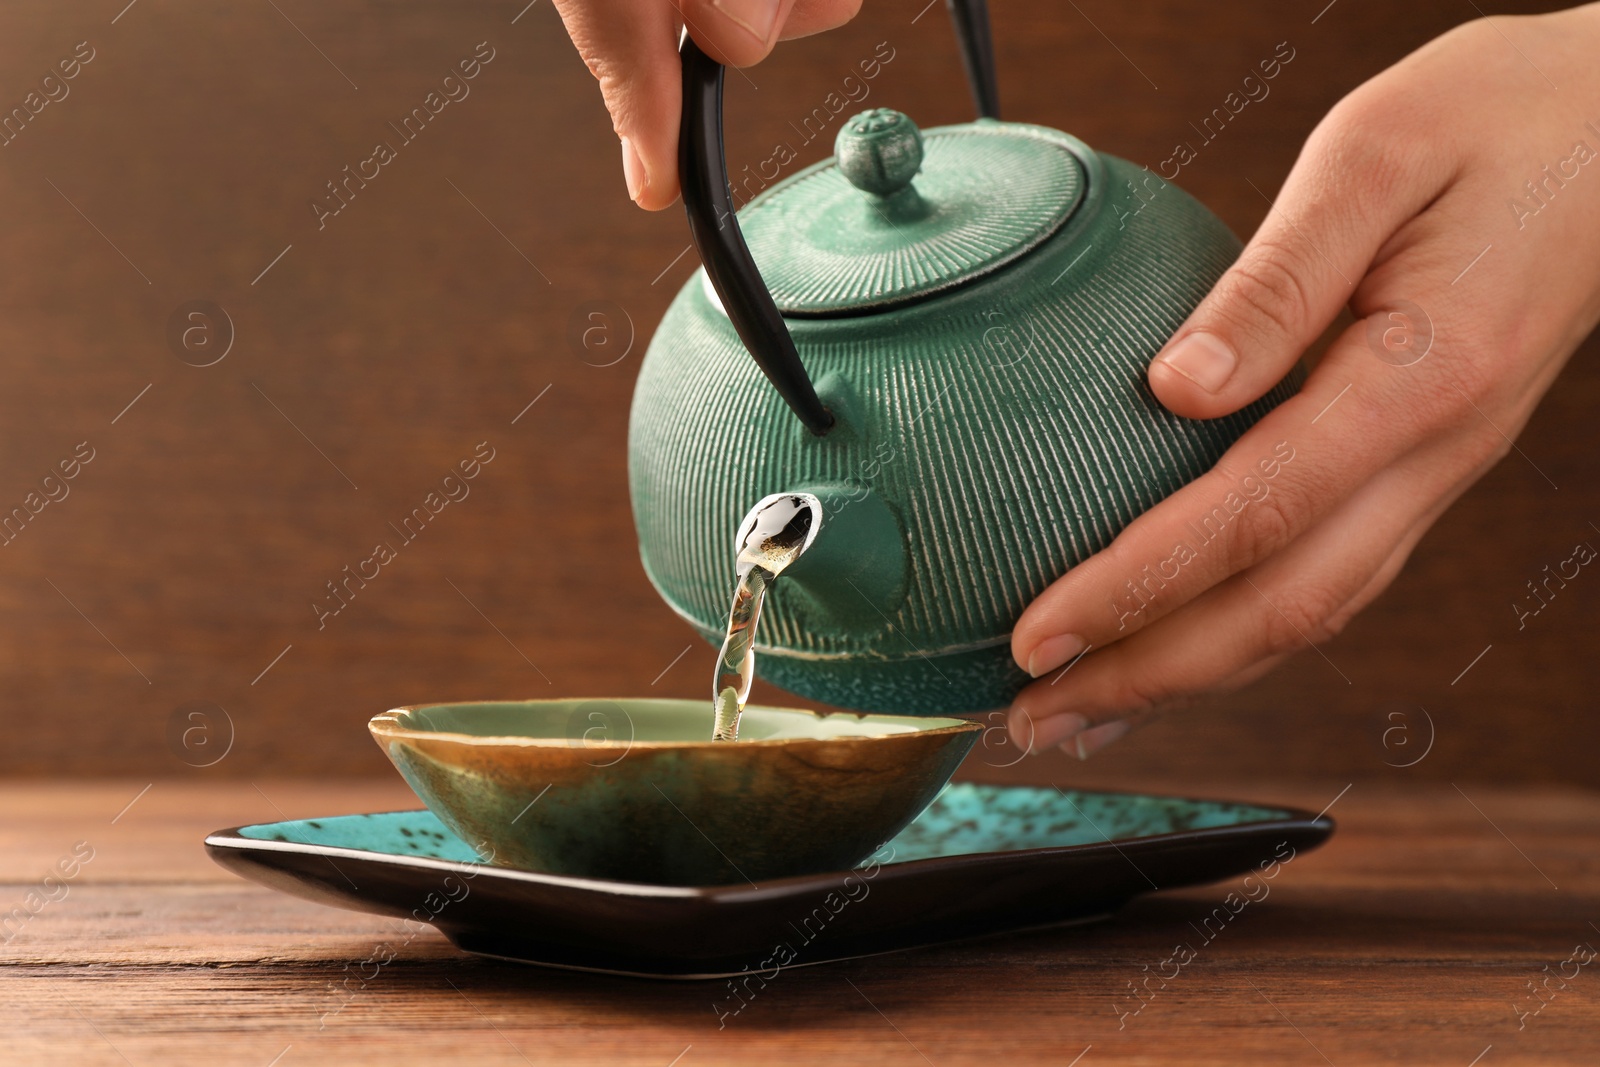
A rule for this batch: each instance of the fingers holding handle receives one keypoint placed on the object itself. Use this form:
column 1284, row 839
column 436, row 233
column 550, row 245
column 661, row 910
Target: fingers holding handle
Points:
column 631, row 47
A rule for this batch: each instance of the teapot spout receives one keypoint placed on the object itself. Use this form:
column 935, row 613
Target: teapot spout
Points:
column 854, row 571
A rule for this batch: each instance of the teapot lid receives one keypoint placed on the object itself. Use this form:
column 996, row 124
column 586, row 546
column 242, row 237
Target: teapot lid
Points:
column 900, row 214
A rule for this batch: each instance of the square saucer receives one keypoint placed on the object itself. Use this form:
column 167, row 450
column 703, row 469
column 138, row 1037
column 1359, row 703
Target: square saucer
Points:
column 981, row 859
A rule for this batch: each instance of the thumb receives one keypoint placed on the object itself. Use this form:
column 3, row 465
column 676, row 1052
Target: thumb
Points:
column 1345, row 197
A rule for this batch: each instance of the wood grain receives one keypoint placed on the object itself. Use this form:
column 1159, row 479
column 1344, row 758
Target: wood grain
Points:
column 432, row 310
column 1408, row 938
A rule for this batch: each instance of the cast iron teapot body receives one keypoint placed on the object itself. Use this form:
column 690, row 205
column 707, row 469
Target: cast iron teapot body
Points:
column 972, row 311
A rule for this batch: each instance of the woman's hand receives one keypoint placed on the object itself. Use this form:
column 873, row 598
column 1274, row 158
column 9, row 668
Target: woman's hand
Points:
column 1453, row 203
column 631, row 47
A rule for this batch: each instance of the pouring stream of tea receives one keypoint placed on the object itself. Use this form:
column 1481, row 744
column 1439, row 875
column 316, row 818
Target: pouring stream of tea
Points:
column 773, row 535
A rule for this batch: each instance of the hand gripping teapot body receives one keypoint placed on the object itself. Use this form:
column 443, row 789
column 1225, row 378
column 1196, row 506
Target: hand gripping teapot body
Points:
column 951, row 330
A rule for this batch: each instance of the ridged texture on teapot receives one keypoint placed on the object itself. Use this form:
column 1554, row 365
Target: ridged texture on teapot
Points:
column 986, row 194
column 1007, row 423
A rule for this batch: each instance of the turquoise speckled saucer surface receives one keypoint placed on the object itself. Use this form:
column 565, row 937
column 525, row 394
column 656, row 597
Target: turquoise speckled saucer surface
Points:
column 966, row 818
column 981, row 859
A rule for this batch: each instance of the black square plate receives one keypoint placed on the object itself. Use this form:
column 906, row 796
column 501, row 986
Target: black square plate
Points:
column 980, row 859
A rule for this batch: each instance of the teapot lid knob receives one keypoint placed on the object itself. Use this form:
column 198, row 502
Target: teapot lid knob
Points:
column 880, row 151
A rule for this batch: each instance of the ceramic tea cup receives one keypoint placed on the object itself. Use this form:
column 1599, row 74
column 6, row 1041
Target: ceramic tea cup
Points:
column 635, row 790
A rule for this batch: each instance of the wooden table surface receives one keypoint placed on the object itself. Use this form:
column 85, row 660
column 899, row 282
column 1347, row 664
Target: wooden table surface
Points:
column 1411, row 936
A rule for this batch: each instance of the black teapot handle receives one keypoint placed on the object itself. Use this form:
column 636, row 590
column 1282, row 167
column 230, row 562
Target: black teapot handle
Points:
column 971, row 20
column 703, row 175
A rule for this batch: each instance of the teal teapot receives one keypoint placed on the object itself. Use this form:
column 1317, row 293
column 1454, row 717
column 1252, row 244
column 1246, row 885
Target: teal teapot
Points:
column 950, row 330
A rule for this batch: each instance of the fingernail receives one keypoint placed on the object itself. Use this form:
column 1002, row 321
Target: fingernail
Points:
column 759, row 17
column 633, row 171
column 1093, row 740
column 1044, row 734
column 1053, row 652
column 1203, row 359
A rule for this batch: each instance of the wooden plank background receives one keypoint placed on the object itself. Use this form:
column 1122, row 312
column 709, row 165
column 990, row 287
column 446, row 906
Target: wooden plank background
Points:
column 373, row 354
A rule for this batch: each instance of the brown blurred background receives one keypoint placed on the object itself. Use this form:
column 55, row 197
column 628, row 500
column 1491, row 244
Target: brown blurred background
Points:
column 371, row 355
